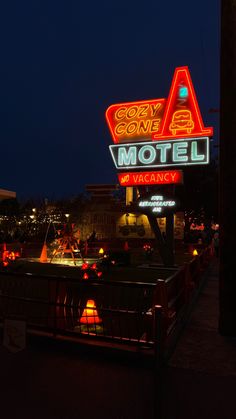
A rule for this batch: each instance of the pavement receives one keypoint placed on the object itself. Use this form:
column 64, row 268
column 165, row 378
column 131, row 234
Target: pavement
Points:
column 52, row 379
column 59, row 380
column 200, row 379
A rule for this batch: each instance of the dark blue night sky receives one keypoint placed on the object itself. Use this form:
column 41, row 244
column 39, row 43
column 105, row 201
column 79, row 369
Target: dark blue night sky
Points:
column 64, row 62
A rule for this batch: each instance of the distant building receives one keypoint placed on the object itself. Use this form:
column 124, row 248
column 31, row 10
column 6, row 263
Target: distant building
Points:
column 100, row 214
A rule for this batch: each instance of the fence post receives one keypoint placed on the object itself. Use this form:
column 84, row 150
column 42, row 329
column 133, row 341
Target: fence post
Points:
column 160, row 296
column 159, row 358
column 55, row 311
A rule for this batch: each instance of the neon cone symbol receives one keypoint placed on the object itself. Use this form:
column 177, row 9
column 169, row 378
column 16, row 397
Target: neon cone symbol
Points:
column 43, row 257
column 90, row 314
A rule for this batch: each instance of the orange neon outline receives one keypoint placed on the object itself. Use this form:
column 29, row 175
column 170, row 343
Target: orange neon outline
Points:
column 198, row 131
column 181, row 129
column 113, row 125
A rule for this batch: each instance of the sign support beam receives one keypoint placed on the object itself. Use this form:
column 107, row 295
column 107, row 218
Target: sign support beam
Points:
column 165, row 247
column 170, row 238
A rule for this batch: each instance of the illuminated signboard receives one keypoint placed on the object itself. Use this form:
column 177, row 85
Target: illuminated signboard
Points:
column 178, row 116
column 151, row 178
column 135, row 121
column 182, row 152
column 158, row 205
column 160, row 133
column 182, row 116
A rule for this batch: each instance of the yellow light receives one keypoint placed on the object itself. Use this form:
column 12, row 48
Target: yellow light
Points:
column 101, row 251
column 195, row 252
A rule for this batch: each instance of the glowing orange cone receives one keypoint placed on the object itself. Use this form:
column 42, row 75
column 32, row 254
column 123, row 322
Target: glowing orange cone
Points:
column 90, row 314
column 126, row 246
column 4, row 252
column 43, row 257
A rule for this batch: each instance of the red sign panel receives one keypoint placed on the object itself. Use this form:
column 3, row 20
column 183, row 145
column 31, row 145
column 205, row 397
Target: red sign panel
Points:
column 151, row 178
column 135, row 121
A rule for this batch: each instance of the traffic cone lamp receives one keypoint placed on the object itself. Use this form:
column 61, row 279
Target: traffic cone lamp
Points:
column 90, row 314
column 43, row 256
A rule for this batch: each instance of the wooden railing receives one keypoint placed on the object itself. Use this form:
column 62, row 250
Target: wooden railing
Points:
column 176, row 293
column 126, row 308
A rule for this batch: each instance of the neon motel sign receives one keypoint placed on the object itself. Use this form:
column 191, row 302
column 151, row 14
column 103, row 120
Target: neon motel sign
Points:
column 162, row 132
column 135, row 121
column 161, row 154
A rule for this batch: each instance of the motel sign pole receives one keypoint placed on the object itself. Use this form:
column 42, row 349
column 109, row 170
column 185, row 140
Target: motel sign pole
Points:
column 227, row 181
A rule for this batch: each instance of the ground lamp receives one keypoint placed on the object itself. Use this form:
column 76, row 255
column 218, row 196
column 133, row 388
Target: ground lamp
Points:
column 90, row 314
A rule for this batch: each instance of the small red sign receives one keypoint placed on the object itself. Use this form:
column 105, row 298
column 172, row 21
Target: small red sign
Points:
column 151, row 178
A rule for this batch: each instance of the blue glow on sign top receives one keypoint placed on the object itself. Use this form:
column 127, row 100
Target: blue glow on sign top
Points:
column 183, row 92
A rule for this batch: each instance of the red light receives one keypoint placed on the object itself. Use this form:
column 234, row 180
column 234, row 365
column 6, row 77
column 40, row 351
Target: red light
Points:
column 99, row 274
column 177, row 117
column 151, row 178
column 182, row 117
column 85, row 276
column 84, row 266
column 94, row 266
